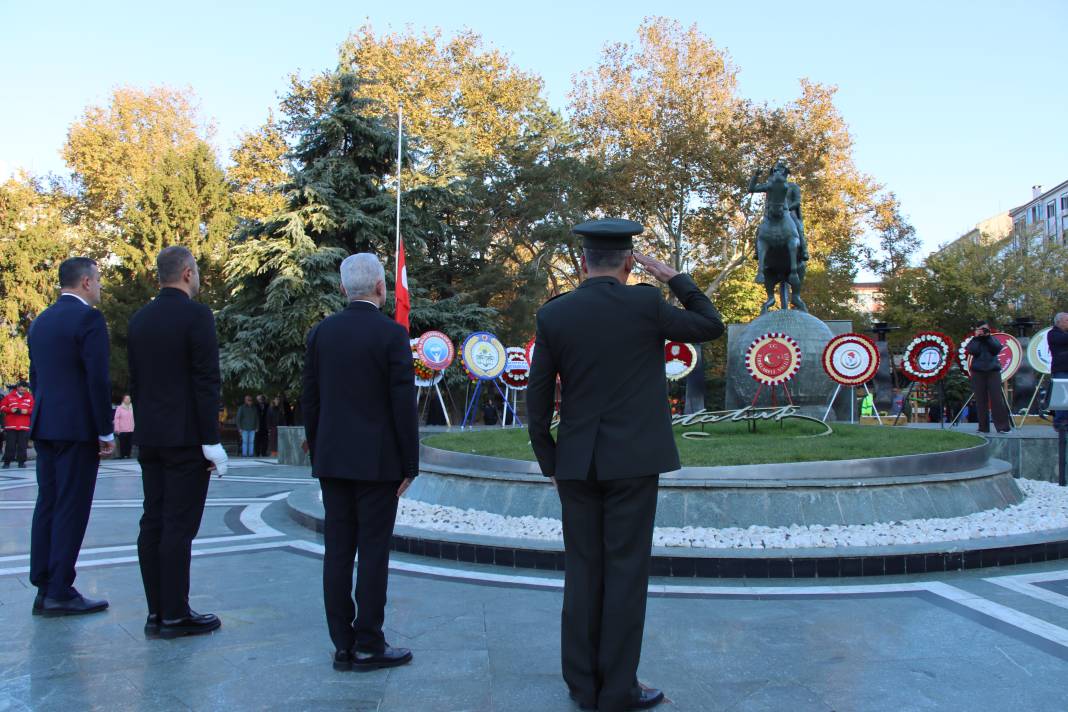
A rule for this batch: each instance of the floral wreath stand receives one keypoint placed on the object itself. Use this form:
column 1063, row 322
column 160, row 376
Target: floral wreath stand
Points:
column 429, row 371
column 489, row 371
column 772, row 359
column 928, row 358
column 850, row 360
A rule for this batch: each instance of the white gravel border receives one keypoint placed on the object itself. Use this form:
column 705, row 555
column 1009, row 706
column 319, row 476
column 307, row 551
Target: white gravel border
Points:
column 1045, row 507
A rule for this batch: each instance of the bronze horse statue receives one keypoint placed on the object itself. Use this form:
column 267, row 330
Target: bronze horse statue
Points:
column 782, row 254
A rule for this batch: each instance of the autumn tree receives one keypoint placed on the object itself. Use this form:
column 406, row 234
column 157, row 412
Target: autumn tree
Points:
column 113, row 149
column 260, row 169
column 680, row 144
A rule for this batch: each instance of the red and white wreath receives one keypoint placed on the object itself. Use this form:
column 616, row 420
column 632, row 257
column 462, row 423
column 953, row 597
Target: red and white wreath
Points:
column 679, row 359
column 773, row 358
column 928, row 357
column 516, row 374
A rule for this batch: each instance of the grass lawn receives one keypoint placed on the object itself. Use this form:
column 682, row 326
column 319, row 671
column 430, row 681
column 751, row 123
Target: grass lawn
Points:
column 731, row 444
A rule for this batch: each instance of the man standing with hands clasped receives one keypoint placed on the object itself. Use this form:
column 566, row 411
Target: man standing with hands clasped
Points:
column 71, row 428
column 362, row 431
column 605, row 341
column 174, row 382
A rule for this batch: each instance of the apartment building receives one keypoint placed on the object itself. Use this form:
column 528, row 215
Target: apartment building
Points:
column 1044, row 217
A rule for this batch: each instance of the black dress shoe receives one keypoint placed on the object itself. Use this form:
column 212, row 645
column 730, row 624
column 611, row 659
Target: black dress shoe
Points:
column 38, row 603
column 647, row 698
column 193, row 624
column 343, row 660
column 152, row 626
column 72, row 607
column 390, row 657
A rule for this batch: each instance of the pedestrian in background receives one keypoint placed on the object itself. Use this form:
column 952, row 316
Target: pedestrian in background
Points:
column 247, row 421
column 124, row 426
column 276, row 415
column 262, row 426
column 17, row 407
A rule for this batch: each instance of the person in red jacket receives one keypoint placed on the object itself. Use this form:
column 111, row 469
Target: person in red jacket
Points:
column 17, row 406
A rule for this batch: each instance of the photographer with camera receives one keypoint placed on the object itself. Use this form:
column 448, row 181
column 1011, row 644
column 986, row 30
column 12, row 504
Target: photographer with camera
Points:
column 985, row 371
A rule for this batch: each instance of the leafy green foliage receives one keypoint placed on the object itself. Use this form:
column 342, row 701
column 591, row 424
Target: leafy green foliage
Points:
column 282, row 276
column 33, row 241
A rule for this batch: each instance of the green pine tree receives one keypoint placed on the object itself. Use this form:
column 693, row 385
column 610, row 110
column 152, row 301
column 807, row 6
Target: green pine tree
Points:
column 282, row 275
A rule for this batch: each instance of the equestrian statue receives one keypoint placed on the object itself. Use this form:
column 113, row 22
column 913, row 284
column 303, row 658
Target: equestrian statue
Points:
column 782, row 253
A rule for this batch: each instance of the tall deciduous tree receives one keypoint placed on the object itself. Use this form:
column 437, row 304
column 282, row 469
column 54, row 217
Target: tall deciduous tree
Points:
column 184, row 200
column 969, row 281
column 33, row 241
column 679, row 145
column 113, row 149
column 260, row 169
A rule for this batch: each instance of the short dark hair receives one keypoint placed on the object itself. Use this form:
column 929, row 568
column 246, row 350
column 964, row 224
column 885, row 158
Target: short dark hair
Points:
column 604, row 259
column 74, row 269
column 172, row 261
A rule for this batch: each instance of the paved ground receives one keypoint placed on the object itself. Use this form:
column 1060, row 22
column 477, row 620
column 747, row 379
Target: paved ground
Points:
column 487, row 639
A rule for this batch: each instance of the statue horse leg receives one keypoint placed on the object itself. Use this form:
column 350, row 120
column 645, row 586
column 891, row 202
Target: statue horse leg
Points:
column 770, row 287
column 792, row 245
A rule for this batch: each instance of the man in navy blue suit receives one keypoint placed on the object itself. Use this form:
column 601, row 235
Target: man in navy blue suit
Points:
column 71, row 428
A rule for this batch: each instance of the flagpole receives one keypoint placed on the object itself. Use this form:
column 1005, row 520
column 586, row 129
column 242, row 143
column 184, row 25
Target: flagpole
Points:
column 396, row 250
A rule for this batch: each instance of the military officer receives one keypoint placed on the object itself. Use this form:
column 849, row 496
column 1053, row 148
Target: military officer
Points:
column 605, row 341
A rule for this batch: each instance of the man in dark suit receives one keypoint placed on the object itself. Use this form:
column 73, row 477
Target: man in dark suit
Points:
column 71, row 428
column 605, row 341
column 174, row 382
column 363, row 438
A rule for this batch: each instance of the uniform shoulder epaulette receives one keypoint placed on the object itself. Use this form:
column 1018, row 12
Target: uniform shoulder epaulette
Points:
column 556, row 296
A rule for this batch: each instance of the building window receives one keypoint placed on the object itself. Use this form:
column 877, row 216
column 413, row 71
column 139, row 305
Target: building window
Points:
column 1051, row 209
column 1064, row 203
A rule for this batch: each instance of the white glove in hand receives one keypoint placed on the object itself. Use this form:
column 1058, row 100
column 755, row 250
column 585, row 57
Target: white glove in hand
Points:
column 217, row 455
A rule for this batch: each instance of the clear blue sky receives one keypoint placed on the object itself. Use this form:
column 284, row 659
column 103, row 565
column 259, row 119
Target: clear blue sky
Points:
column 958, row 107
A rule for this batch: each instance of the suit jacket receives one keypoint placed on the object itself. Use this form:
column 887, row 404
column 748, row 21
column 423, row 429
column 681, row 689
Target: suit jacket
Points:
column 69, row 373
column 359, row 397
column 174, row 372
column 606, row 342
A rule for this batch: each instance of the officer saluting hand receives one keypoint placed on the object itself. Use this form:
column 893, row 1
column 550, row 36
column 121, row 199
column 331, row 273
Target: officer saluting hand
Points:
column 605, row 341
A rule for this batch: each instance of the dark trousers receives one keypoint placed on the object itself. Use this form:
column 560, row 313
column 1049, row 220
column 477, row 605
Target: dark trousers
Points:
column 260, row 443
column 66, row 479
column 125, row 444
column 359, row 518
column 986, row 386
column 15, row 448
column 175, row 481
column 608, row 534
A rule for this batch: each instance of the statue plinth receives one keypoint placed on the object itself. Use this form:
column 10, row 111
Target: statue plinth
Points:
column 810, row 388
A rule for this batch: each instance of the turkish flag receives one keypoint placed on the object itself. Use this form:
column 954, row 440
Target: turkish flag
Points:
column 404, row 303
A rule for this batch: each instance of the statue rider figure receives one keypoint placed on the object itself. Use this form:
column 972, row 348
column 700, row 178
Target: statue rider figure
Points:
column 782, row 196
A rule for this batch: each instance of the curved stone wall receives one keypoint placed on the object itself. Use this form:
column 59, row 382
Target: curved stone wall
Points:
column 887, row 489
